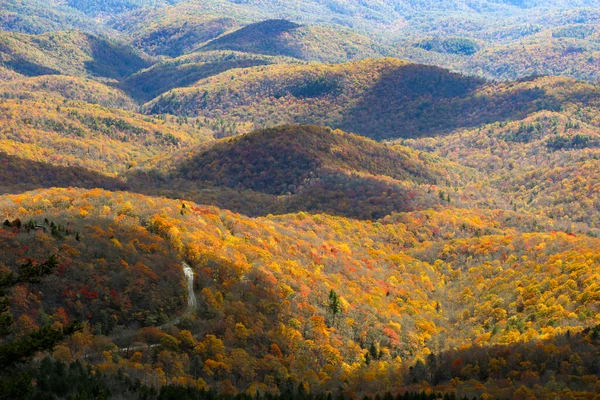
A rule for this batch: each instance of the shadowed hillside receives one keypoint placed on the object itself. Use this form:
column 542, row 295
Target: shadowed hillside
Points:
column 68, row 53
column 285, row 38
column 341, row 225
column 315, row 169
column 380, row 99
column 187, row 70
column 19, row 175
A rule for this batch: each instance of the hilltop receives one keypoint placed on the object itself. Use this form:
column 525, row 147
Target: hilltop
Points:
column 172, row 31
column 45, row 127
column 67, row 87
column 285, row 38
column 558, row 53
column 313, row 169
column 489, row 39
column 186, row 70
column 39, row 16
column 281, row 160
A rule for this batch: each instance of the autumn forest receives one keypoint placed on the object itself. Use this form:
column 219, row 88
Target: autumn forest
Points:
column 318, row 200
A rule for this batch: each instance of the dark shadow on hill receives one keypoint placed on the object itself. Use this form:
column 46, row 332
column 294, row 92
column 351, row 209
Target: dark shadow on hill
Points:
column 416, row 101
column 298, row 168
column 113, row 60
column 565, row 362
column 28, row 68
column 153, row 82
column 260, row 38
column 351, row 198
column 19, row 175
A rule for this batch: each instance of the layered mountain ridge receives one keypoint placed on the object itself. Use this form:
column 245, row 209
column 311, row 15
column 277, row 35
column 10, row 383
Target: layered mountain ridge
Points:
column 378, row 200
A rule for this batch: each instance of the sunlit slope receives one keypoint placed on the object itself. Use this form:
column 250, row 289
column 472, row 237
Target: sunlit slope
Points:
column 380, row 98
column 68, row 53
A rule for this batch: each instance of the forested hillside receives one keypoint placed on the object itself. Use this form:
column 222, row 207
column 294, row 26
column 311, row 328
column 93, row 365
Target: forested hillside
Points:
column 545, row 163
column 69, row 53
column 38, row 16
column 46, row 127
column 372, row 296
column 186, row 70
column 327, row 199
column 172, row 31
column 381, row 98
column 284, row 38
column 308, row 168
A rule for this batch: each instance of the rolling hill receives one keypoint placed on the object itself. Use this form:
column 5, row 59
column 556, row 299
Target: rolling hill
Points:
column 341, row 225
column 545, row 163
column 312, row 169
column 68, row 53
column 553, row 41
column 68, row 87
column 37, row 16
column 49, row 128
column 172, row 31
column 380, row 99
column 186, row 70
column 557, row 55
column 285, row 38
column 377, row 16
column 265, row 286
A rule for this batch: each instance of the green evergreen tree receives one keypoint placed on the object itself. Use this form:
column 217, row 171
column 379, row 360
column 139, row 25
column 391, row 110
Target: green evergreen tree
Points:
column 335, row 306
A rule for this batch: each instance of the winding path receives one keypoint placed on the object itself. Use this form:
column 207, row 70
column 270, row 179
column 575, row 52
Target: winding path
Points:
column 192, row 303
column 189, row 275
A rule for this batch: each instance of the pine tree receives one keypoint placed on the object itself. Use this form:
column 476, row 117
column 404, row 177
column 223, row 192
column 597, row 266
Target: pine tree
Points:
column 334, row 304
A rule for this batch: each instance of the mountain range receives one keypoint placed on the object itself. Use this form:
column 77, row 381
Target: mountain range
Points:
column 376, row 199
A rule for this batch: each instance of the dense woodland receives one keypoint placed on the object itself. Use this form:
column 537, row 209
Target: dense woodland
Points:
column 272, row 200
column 419, row 100
column 286, row 299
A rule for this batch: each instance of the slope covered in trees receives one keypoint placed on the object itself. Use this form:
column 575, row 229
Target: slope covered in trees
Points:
column 570, row 52
column 382, row 98
column 187, row 70
column 285, row 38
column 545, row 163
column 320, row 300
column 461, row 258
column 280, row 160
column 489, row 39
column 46, row 127
column 38, row 16
column 372, row 15
column 174, row 30
column 69, row 53
column 67, row 87
column 109, row 269
column 309, row 168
